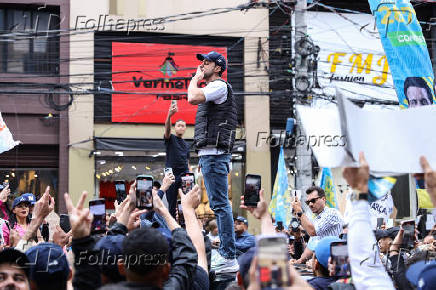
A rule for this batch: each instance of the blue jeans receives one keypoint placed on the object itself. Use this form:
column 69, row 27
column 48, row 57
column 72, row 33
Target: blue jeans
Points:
column 215, row 169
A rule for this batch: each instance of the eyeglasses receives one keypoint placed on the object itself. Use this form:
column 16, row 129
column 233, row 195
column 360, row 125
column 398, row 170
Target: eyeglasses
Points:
column 312, row 200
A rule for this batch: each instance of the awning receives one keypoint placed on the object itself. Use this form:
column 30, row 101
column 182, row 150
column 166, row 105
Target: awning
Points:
column 135, row 144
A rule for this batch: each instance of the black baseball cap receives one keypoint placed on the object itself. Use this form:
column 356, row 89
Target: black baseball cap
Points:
column 214, row 56
column 15, row 257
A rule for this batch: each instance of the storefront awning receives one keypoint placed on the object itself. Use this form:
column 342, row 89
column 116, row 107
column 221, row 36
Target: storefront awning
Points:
column 134, row 144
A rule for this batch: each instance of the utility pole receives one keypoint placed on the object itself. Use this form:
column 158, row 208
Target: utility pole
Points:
column 303, row 155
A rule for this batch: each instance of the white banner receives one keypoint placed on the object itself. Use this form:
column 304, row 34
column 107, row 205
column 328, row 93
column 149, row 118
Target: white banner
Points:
column 351, row 56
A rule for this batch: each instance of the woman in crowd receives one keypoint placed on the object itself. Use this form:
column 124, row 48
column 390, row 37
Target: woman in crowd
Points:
column 18, row 221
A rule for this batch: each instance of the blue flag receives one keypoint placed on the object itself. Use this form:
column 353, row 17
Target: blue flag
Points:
column 280, row 206
column 329, row 188
column 379, row 187
column 406, row 51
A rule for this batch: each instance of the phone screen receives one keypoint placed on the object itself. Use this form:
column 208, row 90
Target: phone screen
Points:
column 380, row 222
column 64, row 223
column 273, row 262
column 409, row 234
column 339, row 255
column 180, row 213
column 168, row 170
column 98, row 209
column 409, row 228
column 188, row 181
column 144, row 196
column 252, row 188
column 120, row 189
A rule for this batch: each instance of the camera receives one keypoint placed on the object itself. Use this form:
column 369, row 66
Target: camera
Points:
column 295, row 224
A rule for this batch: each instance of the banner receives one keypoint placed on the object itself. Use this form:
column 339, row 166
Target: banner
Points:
column 150, row 75
column 406, row 51
column 424, row 200
column 6, row 140
column 280, row 206
column 351, row 56
column 329, row 188
column 379, row 187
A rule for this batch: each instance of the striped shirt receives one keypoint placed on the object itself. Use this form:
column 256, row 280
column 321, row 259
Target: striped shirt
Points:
column 328, row 223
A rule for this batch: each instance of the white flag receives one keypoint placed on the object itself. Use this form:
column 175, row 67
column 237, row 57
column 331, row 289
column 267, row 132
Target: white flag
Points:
column 6, row 140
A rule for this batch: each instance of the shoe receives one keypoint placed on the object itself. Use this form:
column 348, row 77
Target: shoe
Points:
column 223, row 265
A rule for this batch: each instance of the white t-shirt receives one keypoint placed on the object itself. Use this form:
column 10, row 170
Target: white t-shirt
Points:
column 216, row 92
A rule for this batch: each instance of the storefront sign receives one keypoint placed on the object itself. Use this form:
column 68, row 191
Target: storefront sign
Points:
column 351, row 56
column 149, row 75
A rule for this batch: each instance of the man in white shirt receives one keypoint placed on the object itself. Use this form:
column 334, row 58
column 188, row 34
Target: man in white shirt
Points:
column 215, row 125
column 327, row 221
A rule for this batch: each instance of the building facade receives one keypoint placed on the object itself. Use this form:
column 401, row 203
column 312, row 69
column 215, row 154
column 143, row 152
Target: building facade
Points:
column 123, row 58
column 33, row 68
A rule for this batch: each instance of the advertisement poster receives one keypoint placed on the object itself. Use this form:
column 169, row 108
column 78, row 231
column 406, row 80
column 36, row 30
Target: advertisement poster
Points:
column 406, row 52
column 147, row 76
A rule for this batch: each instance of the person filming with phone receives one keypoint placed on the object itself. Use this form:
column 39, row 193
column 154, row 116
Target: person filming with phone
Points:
column 177, row 155
column 327, row 221
column 215, row 127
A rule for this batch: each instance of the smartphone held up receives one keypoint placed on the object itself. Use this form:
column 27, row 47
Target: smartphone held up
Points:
column 273, row 264
column 98, row 209
column 120, row 189
column 340, row 259
column 144, row 189
column 188, row 182
column 252, row 189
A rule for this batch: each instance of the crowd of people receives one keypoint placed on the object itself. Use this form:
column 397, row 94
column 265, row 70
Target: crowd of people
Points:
column 167, row 247
column 161, row 254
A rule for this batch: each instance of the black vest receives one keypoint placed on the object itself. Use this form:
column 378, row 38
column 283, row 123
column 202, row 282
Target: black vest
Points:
column 215, row 125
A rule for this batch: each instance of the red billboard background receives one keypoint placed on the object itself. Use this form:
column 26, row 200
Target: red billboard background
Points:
column 155, row 73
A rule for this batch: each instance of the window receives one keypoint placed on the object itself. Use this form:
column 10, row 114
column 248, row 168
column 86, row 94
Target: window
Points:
column 27, row 42
column 33, row 180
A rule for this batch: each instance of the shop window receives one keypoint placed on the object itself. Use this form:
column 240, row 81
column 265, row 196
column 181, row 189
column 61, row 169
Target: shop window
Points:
column 111, row 166
column 30, row 180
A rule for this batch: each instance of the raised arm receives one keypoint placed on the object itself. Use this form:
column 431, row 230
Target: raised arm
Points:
column 305, row 222
column 173, row 109
column 261, row 213
column 190, row 202
column 367, row 270
column 195, row 94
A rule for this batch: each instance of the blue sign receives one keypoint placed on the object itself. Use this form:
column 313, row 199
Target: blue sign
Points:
column 406, row 51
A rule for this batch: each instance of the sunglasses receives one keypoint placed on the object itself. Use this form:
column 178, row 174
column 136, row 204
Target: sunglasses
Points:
column 312, row 200
column 23, row 205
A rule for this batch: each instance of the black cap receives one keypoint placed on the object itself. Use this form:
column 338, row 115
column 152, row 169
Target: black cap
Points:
column 15, row 257
column 216, row 57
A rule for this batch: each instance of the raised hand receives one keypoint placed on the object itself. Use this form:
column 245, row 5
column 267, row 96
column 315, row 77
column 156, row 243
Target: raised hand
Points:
column 173, row 109
column 80, row 218
column 199, row 75
column 4, row 194
column 43, row 206
column 429, row 174
column 132, row 195
column 296, row 205
column 261, row 209
column 134, row 219
column 358, row 177
column 60, row 237
column 191, row 199
column 158, row 205
column 168, row 180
